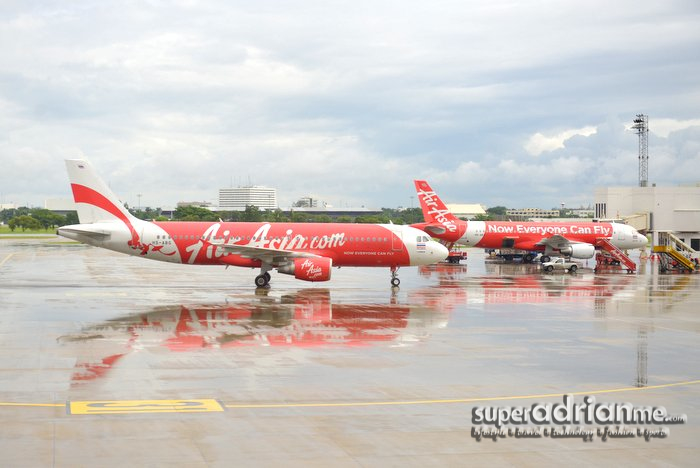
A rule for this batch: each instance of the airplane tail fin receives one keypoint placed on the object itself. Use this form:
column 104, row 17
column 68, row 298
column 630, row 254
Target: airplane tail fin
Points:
column 94, row 200
column 439, row 221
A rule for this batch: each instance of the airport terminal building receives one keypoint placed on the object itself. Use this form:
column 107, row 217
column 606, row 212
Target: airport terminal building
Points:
column 654, row 209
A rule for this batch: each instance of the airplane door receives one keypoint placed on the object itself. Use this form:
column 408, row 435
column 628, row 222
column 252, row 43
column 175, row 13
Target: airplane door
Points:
column 620, row 234
column 397, row 241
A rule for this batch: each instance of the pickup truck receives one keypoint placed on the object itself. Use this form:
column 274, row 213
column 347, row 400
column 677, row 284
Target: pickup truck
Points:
column 560, row 264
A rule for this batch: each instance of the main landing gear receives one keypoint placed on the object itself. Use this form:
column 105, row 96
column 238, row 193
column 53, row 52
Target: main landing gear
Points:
column 263, row 279
column 544, row 258
column 395, row 281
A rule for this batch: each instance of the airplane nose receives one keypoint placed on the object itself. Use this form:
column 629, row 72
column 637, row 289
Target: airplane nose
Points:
column 439, row 251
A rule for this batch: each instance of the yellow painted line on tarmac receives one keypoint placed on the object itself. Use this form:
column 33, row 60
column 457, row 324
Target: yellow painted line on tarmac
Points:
column 9, row 256
column 213, row 405
column 143, row 406
column 458, row 400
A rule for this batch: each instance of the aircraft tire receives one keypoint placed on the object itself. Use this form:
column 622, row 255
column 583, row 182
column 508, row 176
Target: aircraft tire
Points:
column 545, row 258
column 267, row 276
column 395, row 281
column 261, row 281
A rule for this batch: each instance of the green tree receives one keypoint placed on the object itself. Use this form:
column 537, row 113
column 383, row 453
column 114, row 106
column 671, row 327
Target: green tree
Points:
column 24, row 222
column 322, row 218
column 276, row 216
column 252, row 214
column 300, row 217
column 194, row 213
column 48, row 219
column 146, row 214
column 371, row 219
column 72, row 217
column 497, row 210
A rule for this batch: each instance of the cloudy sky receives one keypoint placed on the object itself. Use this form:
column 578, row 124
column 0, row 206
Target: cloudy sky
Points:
column 516, row 103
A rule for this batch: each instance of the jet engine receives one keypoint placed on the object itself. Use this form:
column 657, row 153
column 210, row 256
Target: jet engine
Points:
column 309, row 269
column 578, row 250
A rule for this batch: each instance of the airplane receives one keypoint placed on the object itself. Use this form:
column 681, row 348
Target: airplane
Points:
column 577, row 239
column 306, row 251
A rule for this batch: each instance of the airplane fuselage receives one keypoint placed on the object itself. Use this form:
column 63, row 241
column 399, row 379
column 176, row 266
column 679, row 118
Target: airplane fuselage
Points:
column 568, row 239
column 203, row 243
column 527, row 235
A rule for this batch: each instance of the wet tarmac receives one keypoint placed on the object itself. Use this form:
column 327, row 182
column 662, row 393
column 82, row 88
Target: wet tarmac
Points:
column 104, row 355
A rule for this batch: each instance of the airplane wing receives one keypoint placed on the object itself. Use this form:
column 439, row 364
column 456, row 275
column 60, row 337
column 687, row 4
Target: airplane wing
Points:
column 266, row 255
column 556, row 242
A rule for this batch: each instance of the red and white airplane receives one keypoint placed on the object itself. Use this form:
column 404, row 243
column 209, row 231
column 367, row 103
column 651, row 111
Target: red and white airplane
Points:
column 577, row 240
column 307, row 251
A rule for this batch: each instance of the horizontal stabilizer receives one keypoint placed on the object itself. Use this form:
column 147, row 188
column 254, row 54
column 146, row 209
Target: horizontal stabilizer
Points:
column 82, row 230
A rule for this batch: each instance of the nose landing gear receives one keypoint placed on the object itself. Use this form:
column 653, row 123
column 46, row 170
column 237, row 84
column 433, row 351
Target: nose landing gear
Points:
column 395, row 281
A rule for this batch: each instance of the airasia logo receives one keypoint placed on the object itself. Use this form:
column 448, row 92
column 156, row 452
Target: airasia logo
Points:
column 311, row 270
column 261, row 239
column 433, row 203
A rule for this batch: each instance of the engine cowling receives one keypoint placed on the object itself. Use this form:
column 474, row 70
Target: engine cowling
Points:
column 578, row 251
column 309, row 269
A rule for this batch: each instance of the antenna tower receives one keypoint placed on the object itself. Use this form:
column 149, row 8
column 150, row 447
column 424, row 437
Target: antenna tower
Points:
column 641, row 124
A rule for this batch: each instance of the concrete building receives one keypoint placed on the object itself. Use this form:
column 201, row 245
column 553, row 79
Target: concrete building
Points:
column 655, row 209
column 532, row 213
column 466, row 210
column 309, row 202
column 60, row 206
column 237, row 198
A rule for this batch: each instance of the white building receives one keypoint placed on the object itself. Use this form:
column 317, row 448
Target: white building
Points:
column 237, row 198
column 656, row 209
column 60, row 205
column 466, row 210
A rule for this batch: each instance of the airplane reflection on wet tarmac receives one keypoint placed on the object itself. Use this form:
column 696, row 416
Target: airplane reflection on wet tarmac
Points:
column 516, row 284
column 507, row 283
column 309, row 318
column 306, row 318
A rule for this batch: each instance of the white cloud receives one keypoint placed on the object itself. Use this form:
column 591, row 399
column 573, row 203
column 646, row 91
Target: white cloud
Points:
column 539, row 143
column 347, row 100
column 664, row 127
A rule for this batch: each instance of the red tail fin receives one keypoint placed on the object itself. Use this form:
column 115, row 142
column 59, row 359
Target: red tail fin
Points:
column 434, row 210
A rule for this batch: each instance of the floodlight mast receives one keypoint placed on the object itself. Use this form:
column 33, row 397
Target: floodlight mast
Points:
column 641, row 125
